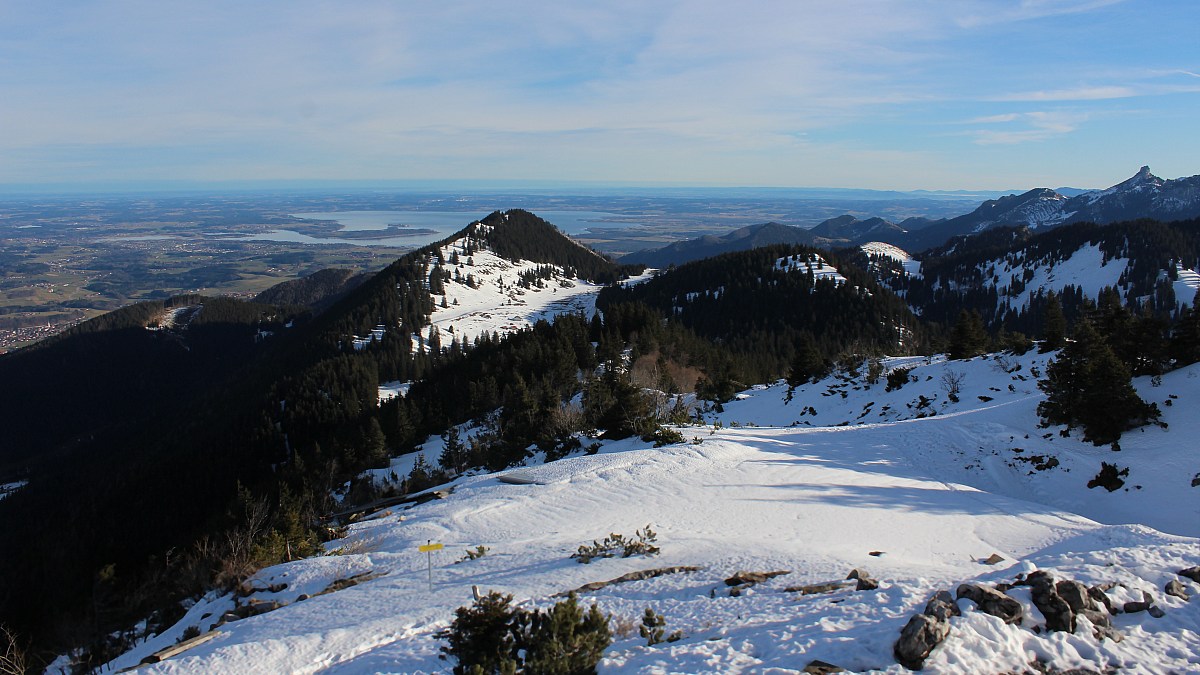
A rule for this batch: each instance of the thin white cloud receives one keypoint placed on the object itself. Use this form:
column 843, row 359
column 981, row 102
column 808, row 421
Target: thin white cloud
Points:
column 1032, row 127
column 978, row 13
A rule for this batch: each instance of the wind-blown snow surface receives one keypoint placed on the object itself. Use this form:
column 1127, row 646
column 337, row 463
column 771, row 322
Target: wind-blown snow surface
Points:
column 776, row 487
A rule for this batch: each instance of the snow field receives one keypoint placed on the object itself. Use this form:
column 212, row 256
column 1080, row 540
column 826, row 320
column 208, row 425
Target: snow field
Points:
column 932, row 494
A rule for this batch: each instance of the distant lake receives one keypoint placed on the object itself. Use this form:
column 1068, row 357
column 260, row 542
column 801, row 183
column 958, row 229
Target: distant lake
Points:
column 426, row 226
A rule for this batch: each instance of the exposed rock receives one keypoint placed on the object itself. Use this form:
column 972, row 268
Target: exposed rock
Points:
column 1155, row 611
column 1134, row 607
column 812, row 589
column 1076, row 595
column 918, row 638
column 1143, row 606
column 993, row 559
column 749, row 578
column 1058, row 613
column 1101, row 625
column 819, row 667
column 865, row 582
column 942, row 606
column 1192, row 573
column 1176, row 588
column 1097, row 593
column 992, row 602
column 632, row 576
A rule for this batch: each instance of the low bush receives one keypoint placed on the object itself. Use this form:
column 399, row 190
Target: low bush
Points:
column 641, row 543
column 494, row 637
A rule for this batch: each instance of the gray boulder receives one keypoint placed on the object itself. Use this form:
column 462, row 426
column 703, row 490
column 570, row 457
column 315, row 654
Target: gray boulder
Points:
column 992, row 602
column 1176, row 588
column 918, row 639
column 942, row 606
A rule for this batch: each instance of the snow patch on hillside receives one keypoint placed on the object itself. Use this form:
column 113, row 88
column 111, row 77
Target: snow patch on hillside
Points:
column 810, row 263
column 1186, row 286
column 1085, row 268
column 393, row 389
column 912, row 267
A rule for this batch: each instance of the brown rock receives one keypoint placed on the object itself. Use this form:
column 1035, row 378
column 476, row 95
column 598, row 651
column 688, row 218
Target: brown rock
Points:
column 1176, row 588
column 748, row 578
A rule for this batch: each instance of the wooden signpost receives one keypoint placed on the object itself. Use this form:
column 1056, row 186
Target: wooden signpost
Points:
column 428, row 548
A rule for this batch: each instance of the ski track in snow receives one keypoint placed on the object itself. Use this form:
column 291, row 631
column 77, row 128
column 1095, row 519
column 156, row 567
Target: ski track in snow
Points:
column 775, row 487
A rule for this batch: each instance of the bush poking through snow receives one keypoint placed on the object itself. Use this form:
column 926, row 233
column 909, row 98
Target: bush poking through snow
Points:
column 663, row 436
column 898, row 378
column 642, row 543
column 654, row 627
column 1109, row 477
column 493, row 637
column 475, row 553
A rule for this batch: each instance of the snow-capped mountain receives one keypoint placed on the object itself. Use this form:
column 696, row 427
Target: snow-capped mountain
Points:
column 1142, row 196
column 917, row 491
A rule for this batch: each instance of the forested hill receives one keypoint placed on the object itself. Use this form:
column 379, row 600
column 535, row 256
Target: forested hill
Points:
column 769, row 302
column 147, row 431
column 317, row 290
column 1008, row 274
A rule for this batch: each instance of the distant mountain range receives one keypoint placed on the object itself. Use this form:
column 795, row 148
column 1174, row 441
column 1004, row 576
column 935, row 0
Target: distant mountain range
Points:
column 1142, row 196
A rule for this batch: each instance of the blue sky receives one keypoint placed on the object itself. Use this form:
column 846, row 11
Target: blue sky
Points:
column 891, row 94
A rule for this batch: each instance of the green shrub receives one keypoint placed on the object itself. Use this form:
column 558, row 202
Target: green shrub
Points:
column 493, row 637
column 654, row 627
column 663, row 436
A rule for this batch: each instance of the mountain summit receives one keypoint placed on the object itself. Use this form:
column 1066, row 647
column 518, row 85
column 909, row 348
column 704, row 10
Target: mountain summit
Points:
column 1144, row 195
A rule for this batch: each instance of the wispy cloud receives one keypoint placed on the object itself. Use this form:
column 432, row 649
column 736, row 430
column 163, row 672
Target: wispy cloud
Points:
column 674, row 90
column 984, row 12
column 1098, row 93
column 1030, row 127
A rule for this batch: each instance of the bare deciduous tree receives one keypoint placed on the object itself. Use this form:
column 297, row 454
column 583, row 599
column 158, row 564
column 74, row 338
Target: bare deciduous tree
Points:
column 952, row 382
column 12, row 656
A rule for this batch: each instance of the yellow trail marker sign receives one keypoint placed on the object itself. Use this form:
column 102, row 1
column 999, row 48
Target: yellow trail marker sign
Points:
column 426, row 548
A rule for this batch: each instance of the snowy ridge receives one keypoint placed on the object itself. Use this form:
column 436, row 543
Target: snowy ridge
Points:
column 912, row 267
column 814, row 486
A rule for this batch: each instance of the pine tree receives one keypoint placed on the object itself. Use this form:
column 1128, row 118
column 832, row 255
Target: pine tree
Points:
column 807, row 364
column 968, row 338
column 1054, row 324
column 1185, row 339
column 1088, row 386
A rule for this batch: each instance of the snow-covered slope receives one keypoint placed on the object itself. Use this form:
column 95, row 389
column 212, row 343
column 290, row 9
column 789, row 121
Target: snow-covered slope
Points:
column 912, row 267
column 498, row 303
column 908, row 484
